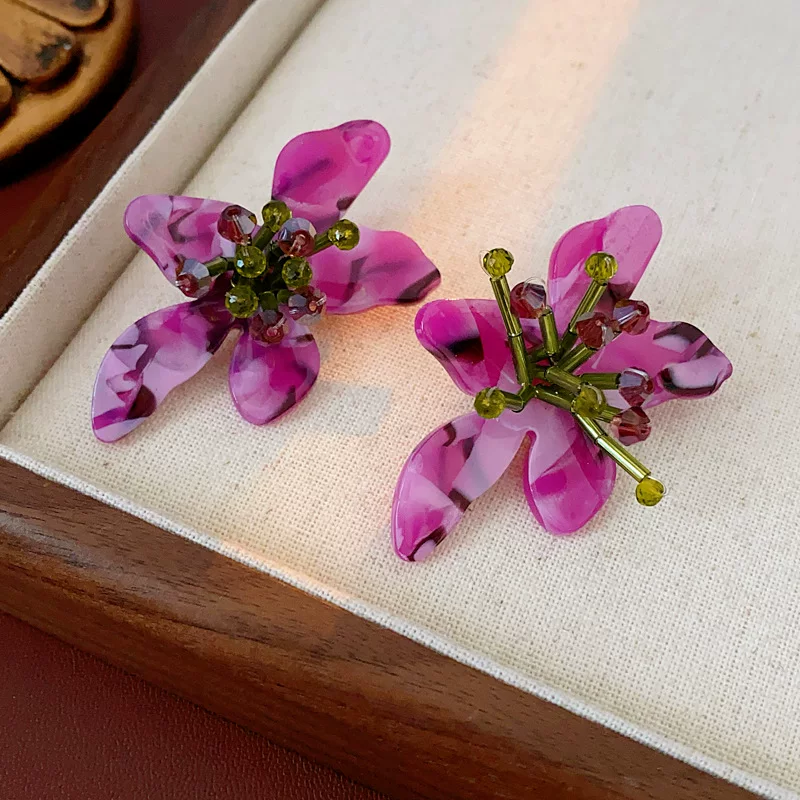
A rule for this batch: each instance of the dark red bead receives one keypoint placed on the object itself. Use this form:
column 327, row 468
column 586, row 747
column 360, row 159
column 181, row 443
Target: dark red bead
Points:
column 631, row 425
column 595, row 330
column 236, row 224
column 529, row 300
column 635, row 386
column 296, row 238
column 631, row 316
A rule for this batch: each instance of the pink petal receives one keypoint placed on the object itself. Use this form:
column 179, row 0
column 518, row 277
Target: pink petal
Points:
column 266, row 380
column 152, row 357
column 171, row 227
column 319, row 174
column 567, row 478
column 468, row 338
column 449, row 469
column 679, row 357
column 630, row 234
column 385, row 268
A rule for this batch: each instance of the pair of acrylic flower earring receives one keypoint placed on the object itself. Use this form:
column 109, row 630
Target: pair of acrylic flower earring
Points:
column 549, row 363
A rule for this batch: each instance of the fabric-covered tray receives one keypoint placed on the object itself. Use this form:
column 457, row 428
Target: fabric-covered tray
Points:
column 510, row 123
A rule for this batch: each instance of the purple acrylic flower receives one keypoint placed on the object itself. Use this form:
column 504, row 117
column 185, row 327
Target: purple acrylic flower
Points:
column 591, row 337
column 268, row 280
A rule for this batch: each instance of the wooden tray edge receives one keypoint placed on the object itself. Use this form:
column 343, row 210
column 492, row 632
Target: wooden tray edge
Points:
column 311, row 676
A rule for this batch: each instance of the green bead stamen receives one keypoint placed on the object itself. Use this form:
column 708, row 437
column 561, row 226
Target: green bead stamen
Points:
column 557, row 384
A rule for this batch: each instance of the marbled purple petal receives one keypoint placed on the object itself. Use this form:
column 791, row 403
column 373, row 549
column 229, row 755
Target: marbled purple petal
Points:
column 152, row 357
column 266, row 380
column 320, row 173
column 567, row 479
column 169, row 228
column 681, row 360
column 384, row 269
column 468, row 338
column 630, row 234
column 449, row 469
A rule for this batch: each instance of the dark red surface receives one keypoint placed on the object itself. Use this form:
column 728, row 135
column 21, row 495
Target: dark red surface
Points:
column 74, row 728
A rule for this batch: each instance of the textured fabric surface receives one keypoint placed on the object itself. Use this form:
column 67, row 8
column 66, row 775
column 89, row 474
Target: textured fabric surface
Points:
column 512, row 122
column 75, row 728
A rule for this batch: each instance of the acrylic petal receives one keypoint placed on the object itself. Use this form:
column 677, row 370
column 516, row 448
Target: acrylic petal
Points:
column 681, row 360
column 385, row 268
column 266, row 380
column 169, row 228
column 630, row 234
column 320, row 173
column 449, row 469
column 468, row 338
column 152, row 357
column 567, row 479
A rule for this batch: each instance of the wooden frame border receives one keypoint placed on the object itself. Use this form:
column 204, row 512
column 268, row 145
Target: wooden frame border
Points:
column 313, row 677
column 380, row 708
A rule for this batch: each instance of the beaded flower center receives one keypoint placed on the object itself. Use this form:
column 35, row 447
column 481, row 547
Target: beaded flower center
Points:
column 270, row 273
column 547, row 373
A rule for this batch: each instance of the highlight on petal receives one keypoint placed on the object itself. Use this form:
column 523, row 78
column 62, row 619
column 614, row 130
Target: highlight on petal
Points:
column 449, row 469
column 468, row 338
column 170, row 228
column 320, row 173
column 630, row 234
column 681, row 360
column 266, row 380
column 567, row 478
column 152, row 357
column 385, row 268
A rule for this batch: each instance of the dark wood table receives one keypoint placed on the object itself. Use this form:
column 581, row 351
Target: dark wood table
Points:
column 351, row 694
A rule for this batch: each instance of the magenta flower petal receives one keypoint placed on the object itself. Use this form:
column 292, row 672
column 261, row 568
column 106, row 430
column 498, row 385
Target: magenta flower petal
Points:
column 152, row 357
column 169, row 228
column 567, row 478
column 385, row 268
column 630, row 234
column 319, row 174
column 468, row 338
column 681, row 360
column 449, row 469
column 266, row 380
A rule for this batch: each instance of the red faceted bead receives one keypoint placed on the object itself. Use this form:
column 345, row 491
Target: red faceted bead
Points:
column 595, row 330
column 631, row 425
column 635, row 386
column 236, row 224
column 192, row 277
column 306, row 305
column 631, row 316
column 296, row 238
column 529, row 300
column 268, row 326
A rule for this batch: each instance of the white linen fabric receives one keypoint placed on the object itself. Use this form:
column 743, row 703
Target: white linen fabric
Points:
column 511, row 122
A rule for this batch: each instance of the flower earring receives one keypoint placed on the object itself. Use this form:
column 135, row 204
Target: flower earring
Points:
column 268, row 280
column 552, row 365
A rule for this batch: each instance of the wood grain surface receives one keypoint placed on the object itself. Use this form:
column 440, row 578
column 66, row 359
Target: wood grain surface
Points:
column 88, row 57
column 34, row 218
column 311, row 676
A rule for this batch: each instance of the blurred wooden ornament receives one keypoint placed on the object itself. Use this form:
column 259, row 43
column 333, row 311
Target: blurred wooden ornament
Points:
column 55, row 55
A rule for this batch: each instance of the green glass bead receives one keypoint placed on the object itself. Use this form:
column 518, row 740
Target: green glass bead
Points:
column 344, row 234
column 268, row 301
column 241, row 301
column 296, row 273
column 589, row 401
column 490, row 403
column 274, row 214
column 283, row 296
column 249, row 261
column 649, row 491
column 497, row 262
column 601, row 267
